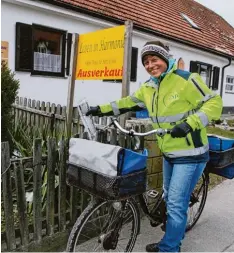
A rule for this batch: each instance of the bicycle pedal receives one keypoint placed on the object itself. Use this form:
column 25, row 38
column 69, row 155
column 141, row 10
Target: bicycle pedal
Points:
column 154, row 224
column 152, row 194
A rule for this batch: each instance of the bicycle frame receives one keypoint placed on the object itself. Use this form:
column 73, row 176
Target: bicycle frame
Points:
column 158, row 213
column 152, row 215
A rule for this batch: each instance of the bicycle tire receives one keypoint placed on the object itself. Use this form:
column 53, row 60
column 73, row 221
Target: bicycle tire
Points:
column 204, row 187
column 88, row 212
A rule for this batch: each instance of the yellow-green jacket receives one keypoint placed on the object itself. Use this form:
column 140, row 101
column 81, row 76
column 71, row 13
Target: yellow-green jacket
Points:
column 180, row 96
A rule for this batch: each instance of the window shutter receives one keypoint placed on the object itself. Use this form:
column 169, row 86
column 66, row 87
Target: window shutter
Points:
column 69, row 46
column 215, row 81
column 133, row 77
column 193, row 67
column 23, row 55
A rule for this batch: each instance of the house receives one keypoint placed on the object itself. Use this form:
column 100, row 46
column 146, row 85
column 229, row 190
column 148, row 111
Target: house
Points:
column 39, row 38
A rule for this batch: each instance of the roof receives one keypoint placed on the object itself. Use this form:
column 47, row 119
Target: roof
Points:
column 163, row 17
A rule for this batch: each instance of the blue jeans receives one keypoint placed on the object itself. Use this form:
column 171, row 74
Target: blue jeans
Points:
column 179, row 180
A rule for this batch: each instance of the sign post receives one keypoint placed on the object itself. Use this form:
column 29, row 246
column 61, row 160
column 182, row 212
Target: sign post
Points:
column 126, row 67
column 127, row 58
column 71, row 85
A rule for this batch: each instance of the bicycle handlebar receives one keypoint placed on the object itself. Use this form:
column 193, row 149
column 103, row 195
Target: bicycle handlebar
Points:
column 160, row 132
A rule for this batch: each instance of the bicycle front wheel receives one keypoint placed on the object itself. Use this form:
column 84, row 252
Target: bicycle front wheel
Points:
column 106, row 226
column 197, row 202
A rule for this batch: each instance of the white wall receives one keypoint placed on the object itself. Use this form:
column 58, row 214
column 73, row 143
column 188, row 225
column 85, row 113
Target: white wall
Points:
column 97, row 92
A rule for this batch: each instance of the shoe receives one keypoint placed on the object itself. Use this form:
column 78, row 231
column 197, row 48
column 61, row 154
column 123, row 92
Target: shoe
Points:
column 153, row 247
column 163, row 227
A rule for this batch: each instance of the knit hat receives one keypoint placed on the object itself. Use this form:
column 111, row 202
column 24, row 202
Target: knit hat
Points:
column 155, row 48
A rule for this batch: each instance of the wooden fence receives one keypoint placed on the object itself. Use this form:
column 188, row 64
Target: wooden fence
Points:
column 44, row 223
column 56, row 206
column 42, row 114
column 22, row 230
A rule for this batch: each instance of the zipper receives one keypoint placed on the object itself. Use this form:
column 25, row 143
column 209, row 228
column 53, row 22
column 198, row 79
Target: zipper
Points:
column 153, row 101
column 157, row 102
column 161, row 148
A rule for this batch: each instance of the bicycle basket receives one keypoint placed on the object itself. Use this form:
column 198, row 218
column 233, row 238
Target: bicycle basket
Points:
column 106, row 170
column 221, row 159
column 222, row 163
column 106, row 187
column 227, row 172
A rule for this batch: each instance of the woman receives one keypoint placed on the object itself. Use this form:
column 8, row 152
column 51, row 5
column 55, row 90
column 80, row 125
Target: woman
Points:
column 181, row 101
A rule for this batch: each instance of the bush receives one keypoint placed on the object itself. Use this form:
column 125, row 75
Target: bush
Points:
column 9, row 92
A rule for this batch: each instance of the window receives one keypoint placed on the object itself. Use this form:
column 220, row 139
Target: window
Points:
column 42, row 50
column 203, row 69
column 229, row 84
column 133, row 76
column 209, row 74
column 190, row 21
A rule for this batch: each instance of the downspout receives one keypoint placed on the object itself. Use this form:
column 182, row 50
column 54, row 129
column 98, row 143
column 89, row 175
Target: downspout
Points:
column 222, row 77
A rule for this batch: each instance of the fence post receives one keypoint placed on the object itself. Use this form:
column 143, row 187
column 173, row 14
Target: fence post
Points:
column 50, row 185
column 7, row 196
column 37, row 191
column 28, row 113
column 62, row 185
column 21, row 203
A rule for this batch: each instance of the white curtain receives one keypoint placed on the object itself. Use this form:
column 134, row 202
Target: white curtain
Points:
column 47, row 62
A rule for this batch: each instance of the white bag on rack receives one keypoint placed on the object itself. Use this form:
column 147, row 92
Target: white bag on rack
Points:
column 97, row 156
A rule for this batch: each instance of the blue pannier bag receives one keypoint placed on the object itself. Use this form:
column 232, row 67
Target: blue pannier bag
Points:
column 220, row 143
column 221, row 161
column 130, row 161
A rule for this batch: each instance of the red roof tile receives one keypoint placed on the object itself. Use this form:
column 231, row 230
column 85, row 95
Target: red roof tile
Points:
column 164, row 17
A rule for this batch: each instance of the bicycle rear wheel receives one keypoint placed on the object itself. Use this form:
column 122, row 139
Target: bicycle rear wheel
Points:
column 101, row 228
column 197, row 202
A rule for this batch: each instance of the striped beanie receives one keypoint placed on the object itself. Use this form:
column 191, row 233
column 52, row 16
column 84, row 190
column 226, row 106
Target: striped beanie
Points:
column 155, row 48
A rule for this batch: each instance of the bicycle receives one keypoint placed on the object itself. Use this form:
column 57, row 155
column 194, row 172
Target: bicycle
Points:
column 105, row 223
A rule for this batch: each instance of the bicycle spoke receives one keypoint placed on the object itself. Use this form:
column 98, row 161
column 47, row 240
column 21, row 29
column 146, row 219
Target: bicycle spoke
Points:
column 95, row 233
column 97, row 247
column 120, row 248
column 197, row 202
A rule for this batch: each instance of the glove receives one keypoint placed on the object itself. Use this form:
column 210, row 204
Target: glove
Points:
column 181, row 130
column 94, row 111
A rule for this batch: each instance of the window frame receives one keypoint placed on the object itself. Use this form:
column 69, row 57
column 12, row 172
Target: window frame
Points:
column 232, row 84
column 64, row 35
column 209, row 68
column 190, row 21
